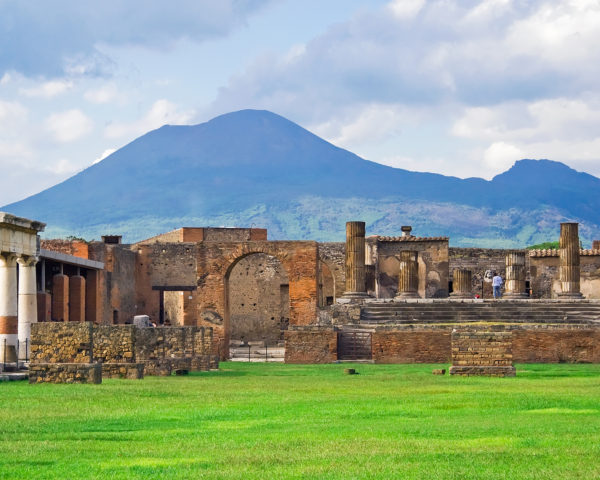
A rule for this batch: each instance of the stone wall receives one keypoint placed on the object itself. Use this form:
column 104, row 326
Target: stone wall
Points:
column 65, row 373
column 58, row 342
column 484, row 350
column 333, row 255
column 311, row 345
column 556, row 344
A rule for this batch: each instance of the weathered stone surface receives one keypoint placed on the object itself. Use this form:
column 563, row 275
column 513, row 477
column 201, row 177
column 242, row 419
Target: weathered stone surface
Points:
column 409, row 346
column 482, row 351
column 462, row 283
column 58, row 342
column 65, row 373
column 486, row 371
column 311, row 345
column 132, row 371
column 569, row 260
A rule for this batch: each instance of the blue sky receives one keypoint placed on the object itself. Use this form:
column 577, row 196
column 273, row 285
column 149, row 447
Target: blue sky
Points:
column 457, row 87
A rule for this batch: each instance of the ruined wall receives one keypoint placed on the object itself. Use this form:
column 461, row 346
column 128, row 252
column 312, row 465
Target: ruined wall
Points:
column 333, row 278
column 480, row 261
column 483, row 350
column 77, row 248
column 258, row 299
column 383, row 252
column 544, row 272
column 216, row 260
column 311, row 345
column 209, row 234
column 557, row 344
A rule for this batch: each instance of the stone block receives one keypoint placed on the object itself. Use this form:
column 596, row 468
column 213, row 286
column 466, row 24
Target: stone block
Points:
column 132, row 371
column 65, row 373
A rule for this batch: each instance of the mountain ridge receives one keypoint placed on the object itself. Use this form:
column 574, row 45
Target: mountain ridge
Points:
column 256, row 167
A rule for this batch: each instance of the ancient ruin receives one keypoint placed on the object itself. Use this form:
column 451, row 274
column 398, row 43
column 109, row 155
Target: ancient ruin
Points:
column 380, row 299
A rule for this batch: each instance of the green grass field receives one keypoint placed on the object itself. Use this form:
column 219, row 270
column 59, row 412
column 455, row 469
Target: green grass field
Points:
column 287, row 421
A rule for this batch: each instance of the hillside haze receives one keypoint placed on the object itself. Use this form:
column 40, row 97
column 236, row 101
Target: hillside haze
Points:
column 256, row 168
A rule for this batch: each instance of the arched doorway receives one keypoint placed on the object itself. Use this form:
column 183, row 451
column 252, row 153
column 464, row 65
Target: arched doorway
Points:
column 257, row 305
column 327, row 293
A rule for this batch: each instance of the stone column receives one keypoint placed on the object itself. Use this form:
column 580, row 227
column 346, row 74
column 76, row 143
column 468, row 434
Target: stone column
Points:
column 355, row 260
column 8, row 307
column 569, row 261
column 76, row 299
column 462, row 283
column 408, row 276
column 515, row 275
column 60, row 298
column 27, row 303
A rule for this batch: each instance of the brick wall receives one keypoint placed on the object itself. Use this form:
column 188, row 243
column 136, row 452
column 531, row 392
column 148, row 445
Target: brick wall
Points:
column 484, row 350
column 409, row 346
column 557, row 344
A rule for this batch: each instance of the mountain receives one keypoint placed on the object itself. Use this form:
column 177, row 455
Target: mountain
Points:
column 256, row 168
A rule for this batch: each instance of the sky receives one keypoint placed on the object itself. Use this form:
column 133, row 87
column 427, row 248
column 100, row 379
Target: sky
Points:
column 457, row 87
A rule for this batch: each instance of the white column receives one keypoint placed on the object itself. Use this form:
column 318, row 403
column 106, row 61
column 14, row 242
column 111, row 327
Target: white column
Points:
column 27, row 303
column 8, row 306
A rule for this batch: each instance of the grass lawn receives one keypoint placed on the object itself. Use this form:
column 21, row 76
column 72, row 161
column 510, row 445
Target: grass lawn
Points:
column 288, row 421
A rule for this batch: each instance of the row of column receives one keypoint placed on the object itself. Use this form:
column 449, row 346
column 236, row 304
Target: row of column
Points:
column 408, row 276
column 18, row 304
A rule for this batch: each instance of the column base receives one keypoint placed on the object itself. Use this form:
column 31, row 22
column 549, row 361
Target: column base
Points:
column 515, row 296
column 574, row 295
column 405, row 295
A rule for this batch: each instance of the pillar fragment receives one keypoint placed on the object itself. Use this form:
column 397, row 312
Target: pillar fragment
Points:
column 60, row 298
column 515, row 275
column 8, row 307
column 27, row 303
column 77, row 299
column 355, row 260
column 462, row 283
column 569, row 261
column 408, row 276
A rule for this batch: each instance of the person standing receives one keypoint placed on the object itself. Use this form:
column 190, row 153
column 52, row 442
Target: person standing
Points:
column 497, row 285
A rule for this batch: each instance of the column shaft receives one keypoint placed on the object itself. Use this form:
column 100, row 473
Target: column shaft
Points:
column 569, row 260
column 408, row 275
column 27, row 303
column 77, row 299
column 515, row 275
column 462, row 283
column 8, row 307
column 60, row 298
column 355, row 260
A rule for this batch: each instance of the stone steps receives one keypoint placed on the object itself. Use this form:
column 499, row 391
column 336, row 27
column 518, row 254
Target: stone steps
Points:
column 257, row 354
column 479, row 311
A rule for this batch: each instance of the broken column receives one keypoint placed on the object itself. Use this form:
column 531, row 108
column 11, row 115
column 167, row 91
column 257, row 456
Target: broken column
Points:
column 76, row 299
column 569, row 261
column 355, row 260
column 462, row 283
column 515, row 275
column 408, row 276
column 27, row 303
column 60, row 298
column 8, row 307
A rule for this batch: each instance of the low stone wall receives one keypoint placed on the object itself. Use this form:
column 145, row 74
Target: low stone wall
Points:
column 311, row 345
column 133, row 371
column 482, row 351
column 411, row 346
column 65, row 373
column 124, row 351
column 57, row 342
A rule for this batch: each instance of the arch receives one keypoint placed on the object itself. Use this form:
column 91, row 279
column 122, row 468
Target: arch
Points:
column 327, row 284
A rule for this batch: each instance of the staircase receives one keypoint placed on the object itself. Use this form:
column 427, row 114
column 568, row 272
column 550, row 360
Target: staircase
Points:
column 256, row 352
column 496, row 311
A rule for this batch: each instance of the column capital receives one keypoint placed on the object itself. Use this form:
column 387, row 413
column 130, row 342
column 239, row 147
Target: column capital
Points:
column 8, row 259
column 27, row 260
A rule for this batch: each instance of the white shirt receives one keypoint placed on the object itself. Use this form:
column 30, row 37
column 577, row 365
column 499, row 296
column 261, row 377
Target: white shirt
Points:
column 497, row 281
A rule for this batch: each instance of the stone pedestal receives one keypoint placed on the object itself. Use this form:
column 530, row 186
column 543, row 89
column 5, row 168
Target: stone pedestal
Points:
column 355, row 261
column 408, row 276
column 515, row 275
column 27, row 303
column 8, row 307
column 462, row 284
column 569, row 261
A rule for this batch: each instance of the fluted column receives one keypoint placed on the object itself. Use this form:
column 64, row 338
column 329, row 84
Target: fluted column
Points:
column 569, row 260
column 408, row 276
column 462, row 283
column 27, row 303
column 355, row 260
column 515, row 275
column 8, row 307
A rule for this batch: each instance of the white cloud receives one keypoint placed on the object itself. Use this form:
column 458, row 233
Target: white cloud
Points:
column 104, row 94
column 6, row 78
column 162, row 112
column 406, row 9
column 68, row 126
column 62, row 167
column 47, row 89
column 500, row 156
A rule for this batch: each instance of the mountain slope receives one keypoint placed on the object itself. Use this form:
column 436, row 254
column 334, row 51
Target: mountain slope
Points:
column 256, row 167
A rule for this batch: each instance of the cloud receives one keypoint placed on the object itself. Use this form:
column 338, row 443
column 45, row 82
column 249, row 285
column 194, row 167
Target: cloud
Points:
column 104, row 94
column 47, row 89
column 162, row 112
column 105, row 153
column 68, row 126
column 42, row 38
